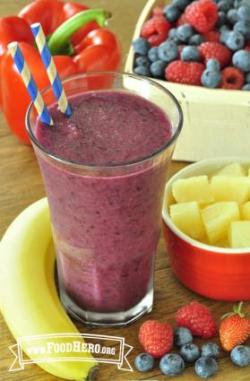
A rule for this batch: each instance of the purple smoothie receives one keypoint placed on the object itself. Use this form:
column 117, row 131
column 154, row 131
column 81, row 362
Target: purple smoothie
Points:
column 106, row 221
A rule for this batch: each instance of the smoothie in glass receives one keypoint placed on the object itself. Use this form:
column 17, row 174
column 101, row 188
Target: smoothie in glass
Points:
column 104, row 171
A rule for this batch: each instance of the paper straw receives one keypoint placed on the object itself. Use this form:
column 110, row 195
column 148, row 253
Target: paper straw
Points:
column 30, row 84
column 50, row 66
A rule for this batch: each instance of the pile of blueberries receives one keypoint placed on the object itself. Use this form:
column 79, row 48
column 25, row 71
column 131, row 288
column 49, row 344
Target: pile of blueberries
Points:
column 234, row 28
column 204, row 358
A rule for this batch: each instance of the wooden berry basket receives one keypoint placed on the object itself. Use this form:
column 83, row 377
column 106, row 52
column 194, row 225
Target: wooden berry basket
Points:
column 216, row 122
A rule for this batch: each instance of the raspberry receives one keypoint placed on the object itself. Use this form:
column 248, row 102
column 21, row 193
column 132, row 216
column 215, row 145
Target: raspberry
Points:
column 198, row 318
column 156, row 338
column 184, row 72
column 157, row 11
column 217, row 51
column 155, row 30
column 182, row 20
column 247, row 46
column 202, row 15
column 212, row 36
column 232, row 78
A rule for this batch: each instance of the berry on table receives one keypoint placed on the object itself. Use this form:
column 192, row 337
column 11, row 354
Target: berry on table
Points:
column 210, row 350
column 142, row 70
column 241, row 60
column 217, row 51
column 172, row 35
column 172, row 13
column 141, row 46
column 156, row 338
column 190, row 53
column 197, row 317
column 235, row 40
column 235, row 327
column 155, row 30
column 188, row 73
column 202, row 15
column 144, row 362
column 153, row 54
column 206, row 367
column 240, row 355
column 182, row 335
column 190, row 352
column 168, row 51
column 211, row 78
column 184, row 32
column 232, row 78
column 157, row 69
column 172, row 364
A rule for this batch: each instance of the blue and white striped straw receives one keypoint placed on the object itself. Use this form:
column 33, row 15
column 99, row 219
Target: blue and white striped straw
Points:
column 30, row 84
column 50, row 66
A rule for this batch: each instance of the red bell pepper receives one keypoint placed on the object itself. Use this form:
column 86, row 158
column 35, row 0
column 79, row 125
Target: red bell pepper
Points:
column 77, row 39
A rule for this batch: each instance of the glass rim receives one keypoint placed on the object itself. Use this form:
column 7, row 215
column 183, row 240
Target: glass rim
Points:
column 129, row 163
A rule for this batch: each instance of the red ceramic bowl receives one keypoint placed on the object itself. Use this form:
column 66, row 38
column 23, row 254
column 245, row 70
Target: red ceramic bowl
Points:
column 214, row 272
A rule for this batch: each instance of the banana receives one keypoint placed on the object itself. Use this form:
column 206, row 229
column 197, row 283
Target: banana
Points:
column 28, row 298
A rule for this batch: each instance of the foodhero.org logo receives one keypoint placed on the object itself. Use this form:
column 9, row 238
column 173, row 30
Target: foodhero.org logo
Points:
column 71, row 347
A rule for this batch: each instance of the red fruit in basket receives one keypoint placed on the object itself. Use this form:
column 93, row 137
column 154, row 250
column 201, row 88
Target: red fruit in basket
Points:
column 157, row 11
column 202, row 15
column 155, row 30
column 232, row 78
column 182, row 20
column 156, row 338
column 247, row 46
column 212, row 36
column 198, row 318
column 234, row 329
column 217, row 51
column 184, row 72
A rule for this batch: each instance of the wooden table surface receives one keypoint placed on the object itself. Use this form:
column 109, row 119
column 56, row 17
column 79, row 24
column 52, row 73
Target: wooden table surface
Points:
column 21, row 184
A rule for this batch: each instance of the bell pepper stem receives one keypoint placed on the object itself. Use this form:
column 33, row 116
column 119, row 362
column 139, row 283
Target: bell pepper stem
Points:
column 59, row 39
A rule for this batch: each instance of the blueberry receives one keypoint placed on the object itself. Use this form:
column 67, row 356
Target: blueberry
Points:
column 246, row 87
column 213, row 64
column 240, row 355
column 181, row 4
column 172, row 364
column 153, row 54
column 244, row 28
column 144, row 362
column 210, row 350
column 190, row 53
column 184, row 32
column 222, row 19
column 247, row 78
column 241, row 60
column 142, row 61
column 142, row 70
column 206, row 367
column 172, row 13
column 224, row 5
column 172, row 35
column 232, row 16
column 141, row 46
column 157, row 69
column 211, row 78
column 190, row 352
column 244, row 12
column 224, row 33
column 168, row 51
column 235, row 40
column 182, row 336
column 196, row 39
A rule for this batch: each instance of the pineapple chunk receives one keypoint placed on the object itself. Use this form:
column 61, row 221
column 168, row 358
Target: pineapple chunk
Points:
column 195, row 188
column 245, row 211
column 227, row 188
column 187, row 217
column 217, row 218
column 239, row 234
column 234, row 169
